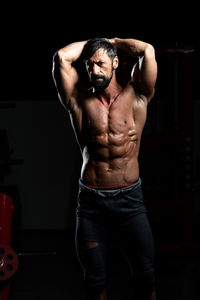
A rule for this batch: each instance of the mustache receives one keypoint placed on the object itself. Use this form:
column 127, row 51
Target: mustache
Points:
column 93, row 77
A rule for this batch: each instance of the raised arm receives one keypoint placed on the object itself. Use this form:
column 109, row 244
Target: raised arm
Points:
column 144, row 73
column 64, row 74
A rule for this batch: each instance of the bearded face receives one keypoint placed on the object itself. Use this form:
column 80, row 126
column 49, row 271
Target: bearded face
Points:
column 100, row 82
column 100, row 69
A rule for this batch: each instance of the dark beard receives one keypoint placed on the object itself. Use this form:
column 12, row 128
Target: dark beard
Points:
column 100, row 85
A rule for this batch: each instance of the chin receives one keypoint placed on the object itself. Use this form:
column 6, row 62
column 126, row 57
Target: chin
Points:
column 101, row 86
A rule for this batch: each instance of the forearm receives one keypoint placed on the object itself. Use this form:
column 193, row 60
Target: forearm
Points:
column 71, row 52
column 131, row 46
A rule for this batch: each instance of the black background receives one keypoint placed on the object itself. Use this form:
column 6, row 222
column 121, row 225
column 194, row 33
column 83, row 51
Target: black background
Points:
column 33, row 32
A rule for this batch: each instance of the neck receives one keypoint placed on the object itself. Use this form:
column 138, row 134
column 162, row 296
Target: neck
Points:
column 109, row 95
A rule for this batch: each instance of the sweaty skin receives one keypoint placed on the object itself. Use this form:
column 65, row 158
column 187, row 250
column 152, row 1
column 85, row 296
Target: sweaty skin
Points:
column 108, row 125
column 110, row 137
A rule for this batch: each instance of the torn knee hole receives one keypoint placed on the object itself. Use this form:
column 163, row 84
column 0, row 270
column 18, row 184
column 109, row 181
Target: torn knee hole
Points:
column 89, row 244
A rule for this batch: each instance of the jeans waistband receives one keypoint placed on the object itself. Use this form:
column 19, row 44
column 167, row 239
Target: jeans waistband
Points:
column 110, row 192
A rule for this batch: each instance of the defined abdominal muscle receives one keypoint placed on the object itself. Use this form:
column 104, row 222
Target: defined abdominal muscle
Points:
column 110, row 160
column 108, row 146
column 110, row 172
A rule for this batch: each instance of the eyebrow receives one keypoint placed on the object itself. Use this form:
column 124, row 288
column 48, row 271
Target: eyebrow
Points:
column 95, row 62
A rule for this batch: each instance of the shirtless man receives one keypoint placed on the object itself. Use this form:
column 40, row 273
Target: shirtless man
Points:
column 108, row 118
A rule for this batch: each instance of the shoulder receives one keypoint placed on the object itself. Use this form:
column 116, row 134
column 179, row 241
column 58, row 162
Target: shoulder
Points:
column 137, row 97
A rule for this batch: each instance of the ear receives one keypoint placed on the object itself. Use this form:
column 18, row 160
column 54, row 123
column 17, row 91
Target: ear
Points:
column 115, row 62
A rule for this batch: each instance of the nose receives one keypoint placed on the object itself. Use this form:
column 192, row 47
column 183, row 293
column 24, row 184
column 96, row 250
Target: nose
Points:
column 96, row 69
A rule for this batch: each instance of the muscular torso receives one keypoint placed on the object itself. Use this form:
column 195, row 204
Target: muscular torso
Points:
column 109, row 137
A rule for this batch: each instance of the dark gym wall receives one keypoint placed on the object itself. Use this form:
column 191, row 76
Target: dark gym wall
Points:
column 37, row 128
column 44, row 162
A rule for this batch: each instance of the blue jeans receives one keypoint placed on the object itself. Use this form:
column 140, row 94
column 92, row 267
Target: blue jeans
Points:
column 120, row 213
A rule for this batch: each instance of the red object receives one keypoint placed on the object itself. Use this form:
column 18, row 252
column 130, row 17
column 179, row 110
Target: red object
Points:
column 8, row 262
column 6, row 213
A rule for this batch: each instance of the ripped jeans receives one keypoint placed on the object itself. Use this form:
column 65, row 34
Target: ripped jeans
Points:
column 101, row 213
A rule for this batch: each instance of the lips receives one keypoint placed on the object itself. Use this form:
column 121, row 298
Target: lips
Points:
column 97, row 78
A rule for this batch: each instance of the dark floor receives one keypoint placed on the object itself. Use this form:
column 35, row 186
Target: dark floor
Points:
column 48, row 269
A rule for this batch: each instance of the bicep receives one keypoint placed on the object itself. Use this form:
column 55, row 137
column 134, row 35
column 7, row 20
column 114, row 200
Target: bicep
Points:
column 144, row 73
column 65, row 77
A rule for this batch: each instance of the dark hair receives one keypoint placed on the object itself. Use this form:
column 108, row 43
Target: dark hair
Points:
column 95, row 44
